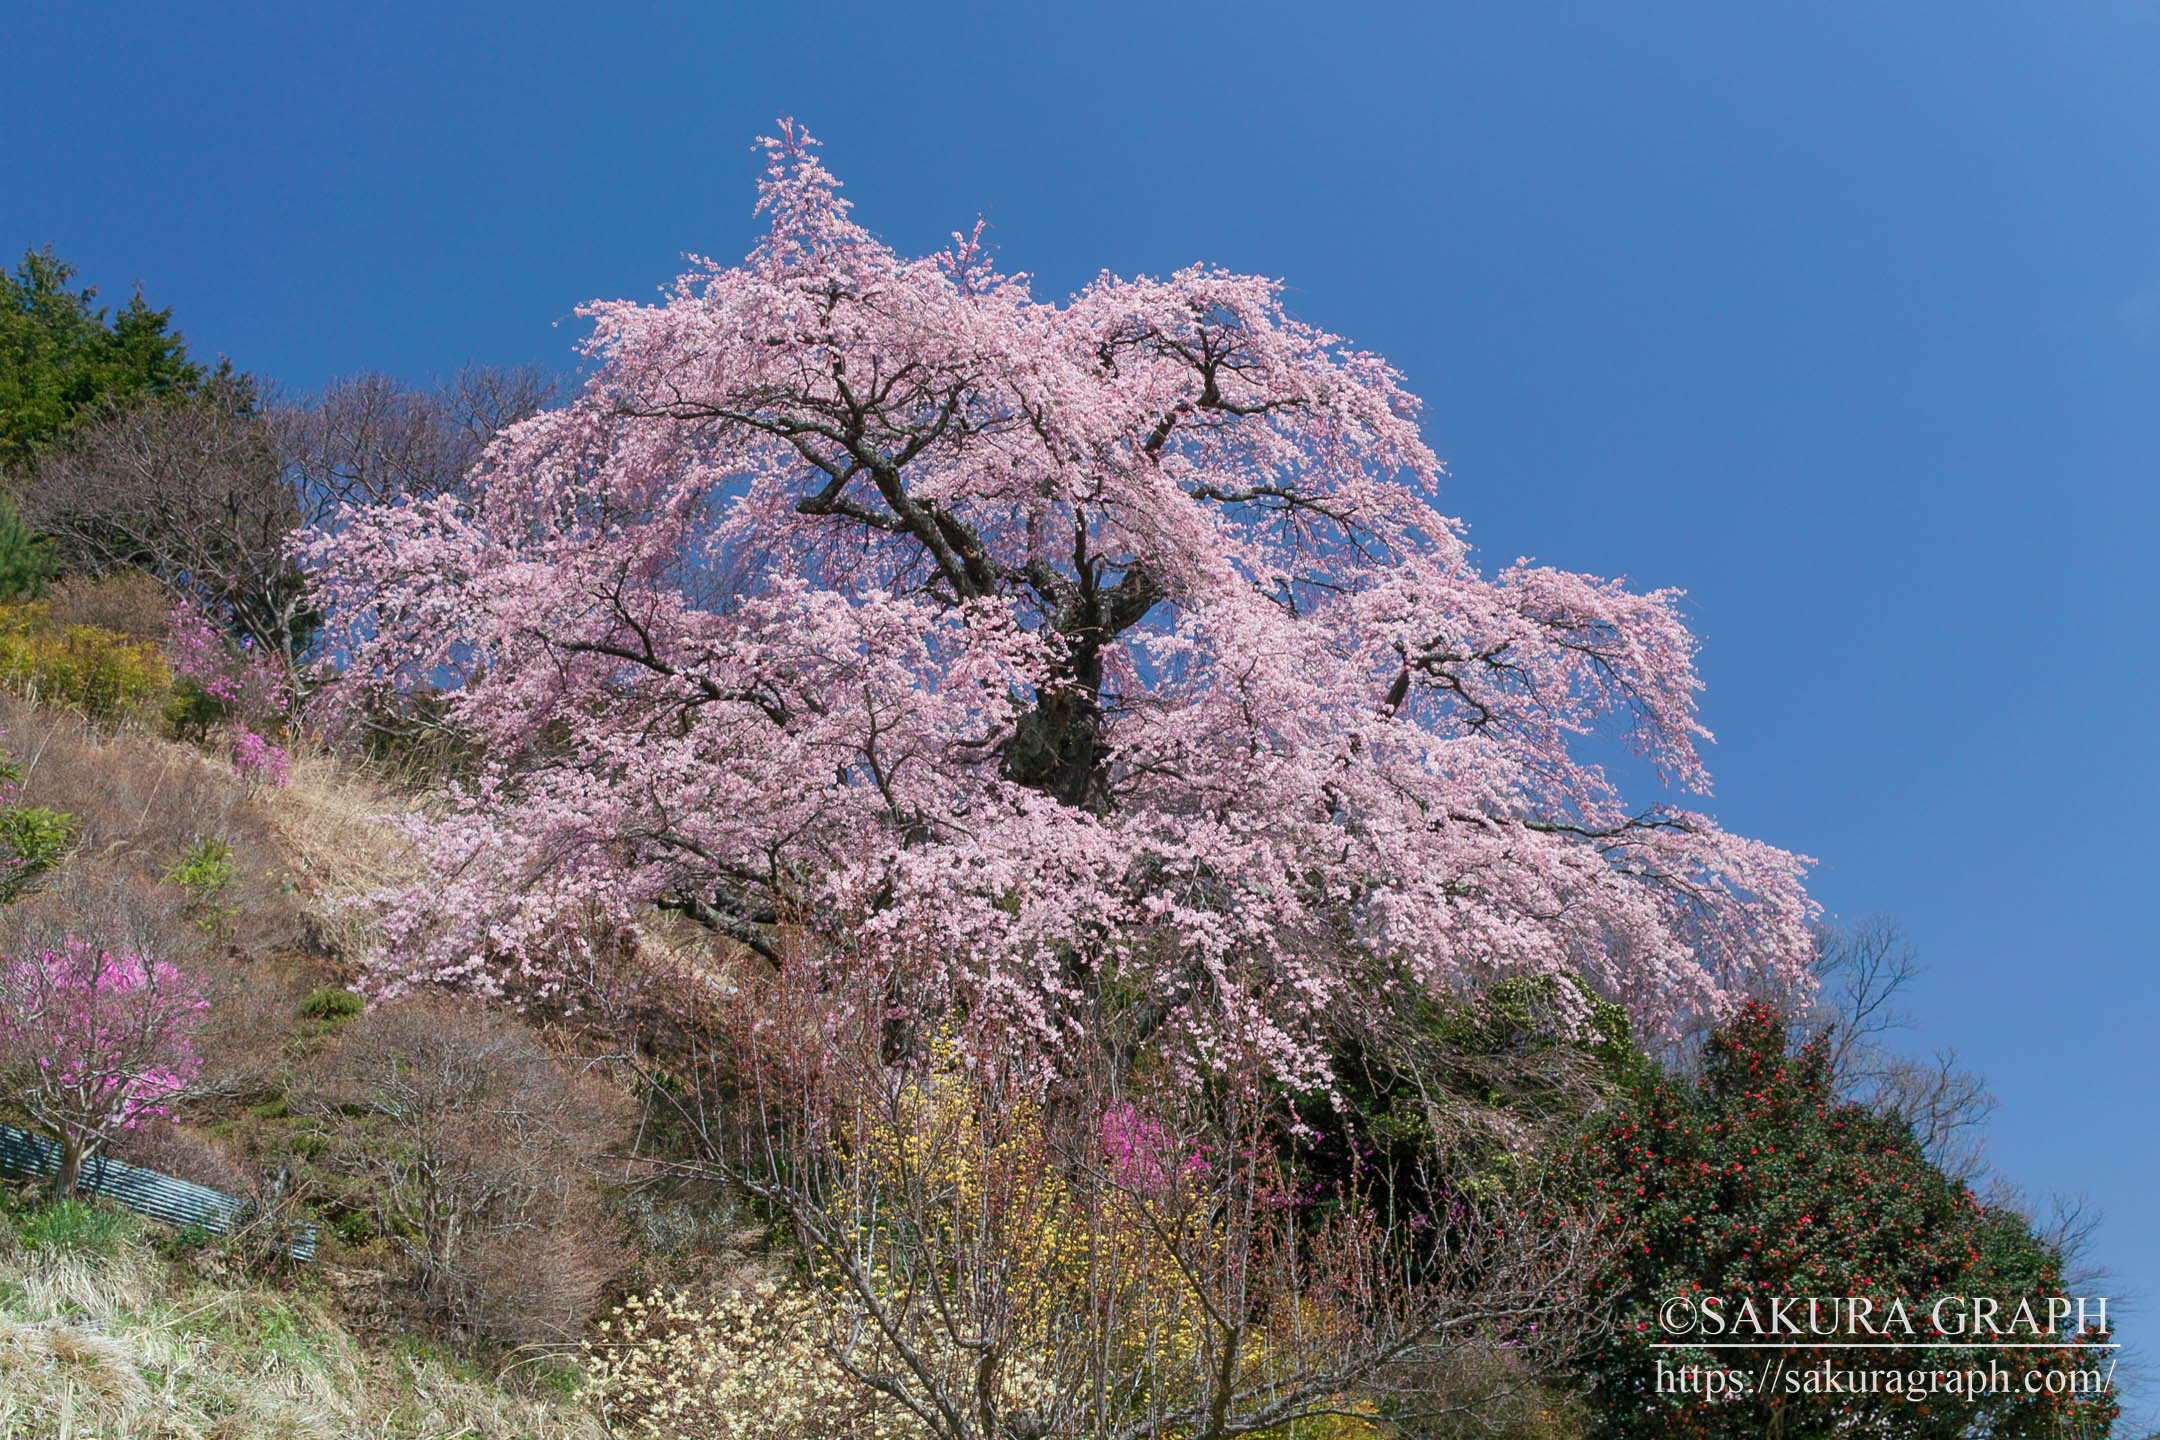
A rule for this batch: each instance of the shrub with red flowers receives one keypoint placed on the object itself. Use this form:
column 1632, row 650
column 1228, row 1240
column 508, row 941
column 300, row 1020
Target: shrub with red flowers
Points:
column 1756, row 1180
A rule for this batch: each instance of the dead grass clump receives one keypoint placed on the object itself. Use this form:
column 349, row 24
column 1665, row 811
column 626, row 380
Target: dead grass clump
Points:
column 330, row 828
column 124, row 1347
column 97, row 1383
column 89, row 1284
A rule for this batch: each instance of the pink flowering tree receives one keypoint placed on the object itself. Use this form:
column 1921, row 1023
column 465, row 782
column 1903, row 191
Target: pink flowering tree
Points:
column 1070, row 647
column 1139, row 1152
column 95, row 1042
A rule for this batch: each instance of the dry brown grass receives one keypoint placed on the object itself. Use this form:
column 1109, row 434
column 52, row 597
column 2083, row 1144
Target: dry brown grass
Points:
column 330, row 825
column 127, row 1347
column 256, row 947
column 305, row 857
column 141, row 802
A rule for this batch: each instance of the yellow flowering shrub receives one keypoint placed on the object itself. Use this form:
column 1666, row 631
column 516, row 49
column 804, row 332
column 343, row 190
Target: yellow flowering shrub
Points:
column 1105, row 1262
column 749, row 1365
column 104, row 674
column 1035, row 1248
column 983, row 1251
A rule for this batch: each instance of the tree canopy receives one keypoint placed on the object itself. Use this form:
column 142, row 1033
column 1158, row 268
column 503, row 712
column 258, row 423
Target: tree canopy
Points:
column 1110, row 644
column 62, row 355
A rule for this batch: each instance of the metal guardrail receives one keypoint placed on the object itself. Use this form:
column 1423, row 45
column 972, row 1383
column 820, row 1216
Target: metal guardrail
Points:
column 160, row 1196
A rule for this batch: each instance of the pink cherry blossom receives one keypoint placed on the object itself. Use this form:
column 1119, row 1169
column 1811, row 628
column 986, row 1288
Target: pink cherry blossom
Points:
column 1043, row 643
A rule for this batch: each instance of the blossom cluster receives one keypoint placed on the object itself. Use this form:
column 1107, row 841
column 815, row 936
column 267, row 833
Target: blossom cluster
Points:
column 242, row 680
column 261, row 762
column 237, row 674
column 748, row 1364
column 1140, row 1151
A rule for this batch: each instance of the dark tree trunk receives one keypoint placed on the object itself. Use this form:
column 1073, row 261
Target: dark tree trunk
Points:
column 64, row 1178
column 1057, row 747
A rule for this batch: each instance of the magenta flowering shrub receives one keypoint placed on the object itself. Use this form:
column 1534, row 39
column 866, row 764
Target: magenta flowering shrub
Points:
column 241, row 676
column 1141, row 1153
column 95, row 1042
column 238, row 681
column 259, row 761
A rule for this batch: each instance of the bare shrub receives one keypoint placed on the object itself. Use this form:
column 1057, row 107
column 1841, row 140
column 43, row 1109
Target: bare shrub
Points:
column 476, row 1142
column 163, row 1146
column 190, row 488
column 372, row 438
column 126, row 602
column 91, row 900
column 253, row 1009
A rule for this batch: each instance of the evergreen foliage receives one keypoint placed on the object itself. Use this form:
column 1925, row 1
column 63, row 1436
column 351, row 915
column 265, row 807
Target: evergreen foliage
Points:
column 27, row 561
column 61, row 355
column 1758, row 1180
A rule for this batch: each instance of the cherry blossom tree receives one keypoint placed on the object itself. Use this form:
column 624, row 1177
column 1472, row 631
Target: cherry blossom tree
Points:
column 1104, row 645
column 95, row 1042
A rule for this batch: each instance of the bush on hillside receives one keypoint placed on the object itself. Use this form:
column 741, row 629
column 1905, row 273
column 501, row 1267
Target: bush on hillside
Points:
column 105, row 675
column 33, row 840
column 1757, row 1179
column 473, row 1141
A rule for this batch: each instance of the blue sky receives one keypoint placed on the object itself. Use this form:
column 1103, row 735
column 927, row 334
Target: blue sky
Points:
column 1845, row 318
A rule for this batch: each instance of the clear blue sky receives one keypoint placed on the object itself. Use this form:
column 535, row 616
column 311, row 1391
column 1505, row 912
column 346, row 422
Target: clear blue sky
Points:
column 1846, row 318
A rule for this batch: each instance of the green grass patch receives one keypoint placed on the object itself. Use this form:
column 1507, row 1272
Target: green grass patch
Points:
column 76, row 1226
column 32, row 841
column 332, row 1004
